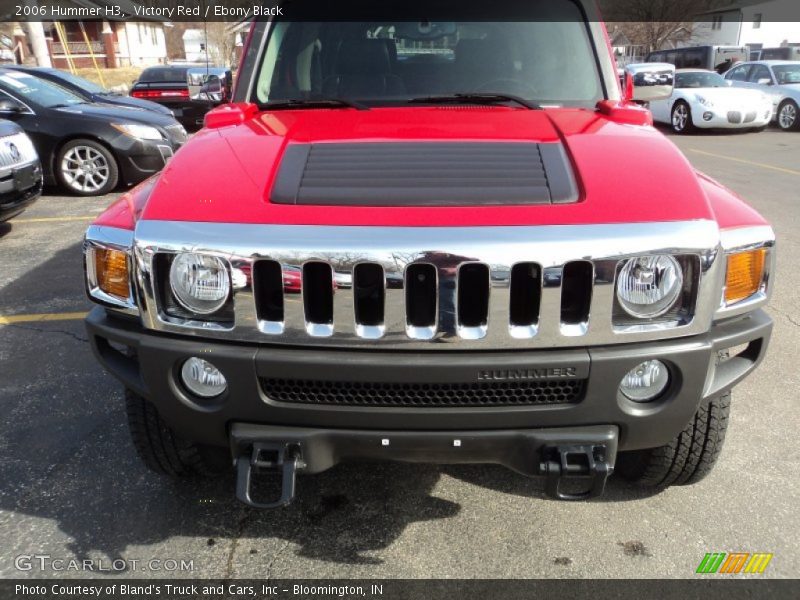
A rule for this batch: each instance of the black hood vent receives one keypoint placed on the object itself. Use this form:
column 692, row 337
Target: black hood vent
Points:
column 425, row 174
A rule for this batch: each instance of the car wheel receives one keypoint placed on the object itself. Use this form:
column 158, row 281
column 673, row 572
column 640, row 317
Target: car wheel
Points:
column 688, row 458
column 682, row 118
column 86, row 168
column 787, row 116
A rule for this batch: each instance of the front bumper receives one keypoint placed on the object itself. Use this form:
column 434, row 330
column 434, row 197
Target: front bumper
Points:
column 720, row 120
column 13, row 199
column 149, row 363
column 139, row 159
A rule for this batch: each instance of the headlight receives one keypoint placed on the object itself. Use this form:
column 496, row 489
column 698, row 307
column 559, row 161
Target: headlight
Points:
column 648, row 286
column 143, row 132
column 200, row 282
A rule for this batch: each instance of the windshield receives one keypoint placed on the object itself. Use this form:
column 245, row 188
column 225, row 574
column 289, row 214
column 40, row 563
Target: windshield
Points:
column 80, row 82
column 38, row 91
column 163, row 75
column 545, row 62
column 786, row 74
column 699, row 80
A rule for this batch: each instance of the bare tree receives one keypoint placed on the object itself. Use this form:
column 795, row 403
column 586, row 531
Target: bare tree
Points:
column 654, row 23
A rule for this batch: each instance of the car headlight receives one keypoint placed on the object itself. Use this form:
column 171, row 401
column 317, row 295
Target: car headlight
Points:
column 200, row 282
column 143, row 132
column 704, row 101
column 648, row 286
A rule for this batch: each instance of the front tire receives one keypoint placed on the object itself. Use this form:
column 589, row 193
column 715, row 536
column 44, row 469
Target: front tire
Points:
column 689, row 457
column 86, row 168
column 681, row 117
column 788, row 117
column 165, row 452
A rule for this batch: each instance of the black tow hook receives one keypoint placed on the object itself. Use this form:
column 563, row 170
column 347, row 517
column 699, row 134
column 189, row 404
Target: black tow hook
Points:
column 587, row 463
column 282, row 458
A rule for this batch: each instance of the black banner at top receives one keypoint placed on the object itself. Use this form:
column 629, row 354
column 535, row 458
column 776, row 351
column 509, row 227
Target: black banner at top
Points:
column 394, row 10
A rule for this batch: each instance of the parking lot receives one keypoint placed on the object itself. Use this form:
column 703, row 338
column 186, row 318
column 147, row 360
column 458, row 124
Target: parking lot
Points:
column 72, row 486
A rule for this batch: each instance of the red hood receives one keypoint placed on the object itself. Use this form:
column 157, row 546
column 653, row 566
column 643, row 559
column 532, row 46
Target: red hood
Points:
column 626, row 173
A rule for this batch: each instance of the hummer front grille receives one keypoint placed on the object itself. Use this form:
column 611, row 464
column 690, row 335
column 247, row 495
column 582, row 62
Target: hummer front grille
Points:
column 430, row 288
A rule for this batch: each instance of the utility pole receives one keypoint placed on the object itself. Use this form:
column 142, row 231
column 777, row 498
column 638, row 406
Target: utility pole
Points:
column 38, row 43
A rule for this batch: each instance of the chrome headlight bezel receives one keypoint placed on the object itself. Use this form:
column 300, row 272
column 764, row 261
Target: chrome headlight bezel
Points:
column 744, row 239
column 109, row 238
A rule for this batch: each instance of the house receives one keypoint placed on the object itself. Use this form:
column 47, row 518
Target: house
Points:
column 754, row 23
column 110, row 44
column 625, row 51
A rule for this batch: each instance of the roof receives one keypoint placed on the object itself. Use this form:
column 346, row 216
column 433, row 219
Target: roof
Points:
column 770, row 63
column 694, row 71
column 734, row 6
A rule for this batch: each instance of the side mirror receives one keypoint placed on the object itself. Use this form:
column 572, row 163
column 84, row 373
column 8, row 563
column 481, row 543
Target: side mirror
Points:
column 647, row 82
column 9, row 106
column 764, row 81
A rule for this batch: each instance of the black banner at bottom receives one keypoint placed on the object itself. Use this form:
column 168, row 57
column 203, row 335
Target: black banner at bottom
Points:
column 395, row 589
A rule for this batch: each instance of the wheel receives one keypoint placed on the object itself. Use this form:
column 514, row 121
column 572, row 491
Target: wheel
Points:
column 688, row 458
column 682, row 118
column 86, row 168
column 162, row 450
column 787, row 116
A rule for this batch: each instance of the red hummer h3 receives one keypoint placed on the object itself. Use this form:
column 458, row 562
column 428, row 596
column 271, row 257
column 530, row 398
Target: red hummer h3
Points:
column 432, row 237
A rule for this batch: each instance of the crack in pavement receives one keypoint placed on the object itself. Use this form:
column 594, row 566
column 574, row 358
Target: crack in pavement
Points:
column 786, row 315
column 74, row 336
column 245, row 516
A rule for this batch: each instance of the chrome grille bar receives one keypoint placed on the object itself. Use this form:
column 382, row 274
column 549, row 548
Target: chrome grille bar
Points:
column 407, row 263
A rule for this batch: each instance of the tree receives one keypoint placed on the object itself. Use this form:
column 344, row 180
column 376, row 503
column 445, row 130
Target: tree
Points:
column 654, row 23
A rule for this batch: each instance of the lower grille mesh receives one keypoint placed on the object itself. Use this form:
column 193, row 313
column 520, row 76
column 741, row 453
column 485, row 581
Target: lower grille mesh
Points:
column 493, row 393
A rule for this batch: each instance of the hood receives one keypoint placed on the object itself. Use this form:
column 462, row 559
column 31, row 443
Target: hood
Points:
column 106, row 112
column 729, row 96
column 623, row 173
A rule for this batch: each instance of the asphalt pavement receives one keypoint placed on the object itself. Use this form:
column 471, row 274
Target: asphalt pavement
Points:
column 71, row 486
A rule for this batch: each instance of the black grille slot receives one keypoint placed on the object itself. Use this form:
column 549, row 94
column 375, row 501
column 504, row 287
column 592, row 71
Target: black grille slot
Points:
column 268, row 289
column 368, row 293
column 526, row 294
column 357, row 393
column 318, row 292
column 576, row 292
column 473, row 295
column 734, row 117
column 421, row 295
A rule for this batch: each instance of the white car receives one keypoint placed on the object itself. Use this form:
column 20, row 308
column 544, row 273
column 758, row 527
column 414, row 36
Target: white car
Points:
column 703, row 99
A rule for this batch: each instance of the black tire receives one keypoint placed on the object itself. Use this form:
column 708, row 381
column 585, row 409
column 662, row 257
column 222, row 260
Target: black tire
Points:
column 163, row 451
column 103, row 169
column 688, row 458
column 791, row 120
column 685, row 124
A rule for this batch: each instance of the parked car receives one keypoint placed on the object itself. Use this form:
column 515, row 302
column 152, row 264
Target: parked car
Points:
column 189, row 91
column 703, row 99
column 87, row 148
column 20, row 171
column 88, row 90
column 628, row 293
column 781, row 53
column 778, row 78
column 713, row 58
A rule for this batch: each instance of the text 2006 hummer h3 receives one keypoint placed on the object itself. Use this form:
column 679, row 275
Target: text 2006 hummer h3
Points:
column 438, row 241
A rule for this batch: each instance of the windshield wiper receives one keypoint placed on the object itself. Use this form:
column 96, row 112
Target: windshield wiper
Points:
column 313, row 103
column 475, row 98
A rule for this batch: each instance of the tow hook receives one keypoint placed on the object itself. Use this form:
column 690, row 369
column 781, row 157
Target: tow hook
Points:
column 587, row 463
column 282, row 458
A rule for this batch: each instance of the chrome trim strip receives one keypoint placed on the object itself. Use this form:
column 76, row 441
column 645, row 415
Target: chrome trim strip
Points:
column 446, row 248
column 743, row 239
column 112, row 238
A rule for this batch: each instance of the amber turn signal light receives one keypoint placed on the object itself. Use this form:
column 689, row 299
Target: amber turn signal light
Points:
column 111, row 270
column 745, row 274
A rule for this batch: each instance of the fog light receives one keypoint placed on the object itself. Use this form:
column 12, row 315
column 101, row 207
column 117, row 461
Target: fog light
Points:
column 707, row 116
column 645, row 381
column 202, row 378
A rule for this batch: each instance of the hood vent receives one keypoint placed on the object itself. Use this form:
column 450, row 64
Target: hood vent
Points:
column 425, row 174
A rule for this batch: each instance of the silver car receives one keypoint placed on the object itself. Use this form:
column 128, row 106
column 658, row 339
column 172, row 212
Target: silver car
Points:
column 778, row 78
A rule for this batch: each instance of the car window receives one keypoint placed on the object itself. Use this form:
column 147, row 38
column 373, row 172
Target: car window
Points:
column 38, row 91
column 787, row 74
column 738, row 73
column 79, row 82
column 758, row 72
column 550, row 60
column 163, row 75
column 699, row 80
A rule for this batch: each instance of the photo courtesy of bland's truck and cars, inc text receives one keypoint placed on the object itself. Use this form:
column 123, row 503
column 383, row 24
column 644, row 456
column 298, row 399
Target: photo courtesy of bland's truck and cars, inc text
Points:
column 307, row 299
